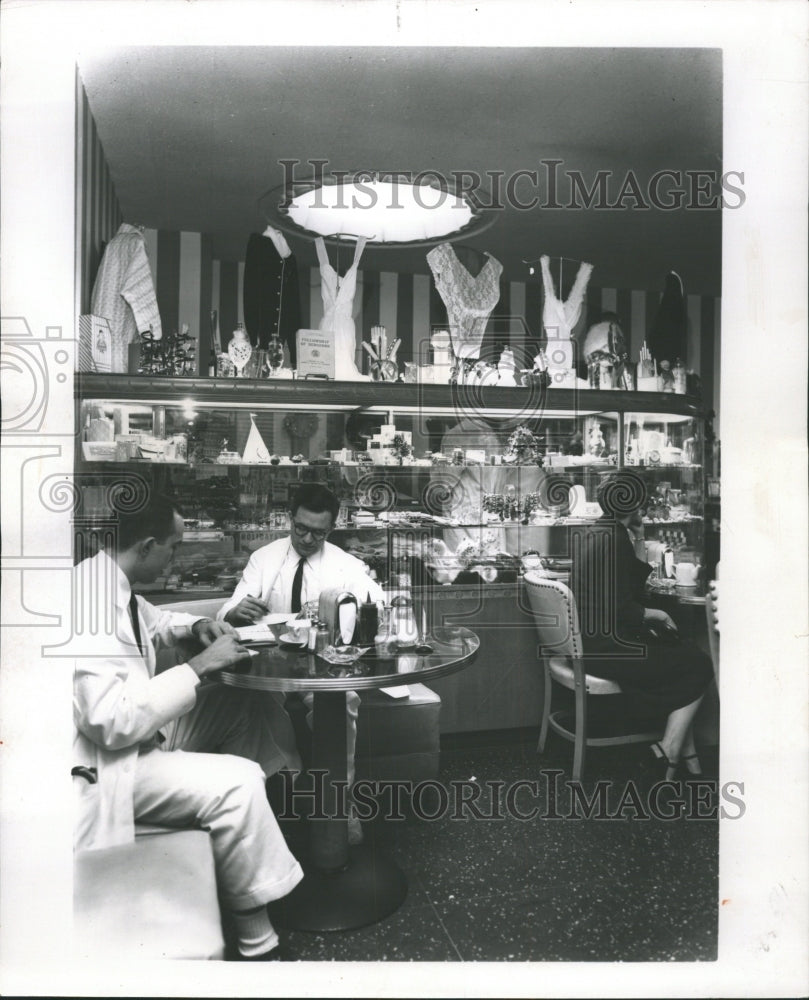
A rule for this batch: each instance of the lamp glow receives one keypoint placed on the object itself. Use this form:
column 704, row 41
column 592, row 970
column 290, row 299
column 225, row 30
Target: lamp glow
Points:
column 386, row 213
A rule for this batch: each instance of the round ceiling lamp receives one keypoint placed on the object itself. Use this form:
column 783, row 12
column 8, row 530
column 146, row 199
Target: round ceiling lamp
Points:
column 384, row 208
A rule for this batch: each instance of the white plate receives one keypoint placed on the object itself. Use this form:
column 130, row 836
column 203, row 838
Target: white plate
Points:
column 290, row 640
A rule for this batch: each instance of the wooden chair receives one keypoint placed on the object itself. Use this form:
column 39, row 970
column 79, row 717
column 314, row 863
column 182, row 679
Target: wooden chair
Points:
column 557, row 624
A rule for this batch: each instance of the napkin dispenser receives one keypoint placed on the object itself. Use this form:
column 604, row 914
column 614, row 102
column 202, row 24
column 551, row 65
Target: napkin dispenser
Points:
column 338, row 610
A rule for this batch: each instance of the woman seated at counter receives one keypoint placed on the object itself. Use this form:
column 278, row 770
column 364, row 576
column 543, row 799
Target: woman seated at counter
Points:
column 661, row 675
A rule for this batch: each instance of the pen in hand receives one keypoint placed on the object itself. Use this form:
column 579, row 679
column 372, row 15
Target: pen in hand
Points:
column 247, row 611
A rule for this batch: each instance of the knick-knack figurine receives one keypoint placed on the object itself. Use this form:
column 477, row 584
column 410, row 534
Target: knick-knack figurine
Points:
column 275, row 356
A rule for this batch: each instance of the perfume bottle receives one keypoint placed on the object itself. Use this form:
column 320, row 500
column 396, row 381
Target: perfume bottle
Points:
column 679, row 374
column 275, row 355
column 240, row 349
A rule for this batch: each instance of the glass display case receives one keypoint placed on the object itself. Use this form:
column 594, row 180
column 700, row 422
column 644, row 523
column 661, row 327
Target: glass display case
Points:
column 449, row 484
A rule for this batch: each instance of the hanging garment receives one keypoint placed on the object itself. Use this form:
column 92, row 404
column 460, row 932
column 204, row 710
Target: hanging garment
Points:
column 124, row 293
column 272, row 306
column 469, row 300
column 668, row 338
column 559, row 318
column 338, row 302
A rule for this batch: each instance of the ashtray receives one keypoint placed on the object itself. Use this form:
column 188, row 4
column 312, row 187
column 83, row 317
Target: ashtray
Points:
column 342, row 654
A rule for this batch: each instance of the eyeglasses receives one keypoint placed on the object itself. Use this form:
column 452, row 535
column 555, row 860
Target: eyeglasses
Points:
column 301, row 530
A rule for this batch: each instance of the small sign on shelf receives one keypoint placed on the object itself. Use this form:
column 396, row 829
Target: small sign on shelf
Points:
column 315, row 354
column 95, row 344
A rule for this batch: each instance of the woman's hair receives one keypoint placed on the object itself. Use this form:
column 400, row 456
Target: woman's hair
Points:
column 317, row 498
column 622, row 492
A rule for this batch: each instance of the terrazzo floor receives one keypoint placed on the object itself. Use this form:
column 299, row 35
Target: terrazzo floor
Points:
column 582, row 889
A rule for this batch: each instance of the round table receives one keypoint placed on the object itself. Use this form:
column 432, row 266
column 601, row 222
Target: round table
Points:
column 344, row 887
column 682, row 595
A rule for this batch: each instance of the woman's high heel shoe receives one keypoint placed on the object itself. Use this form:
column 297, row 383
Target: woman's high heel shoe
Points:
column 694, row 772
column 668, row 768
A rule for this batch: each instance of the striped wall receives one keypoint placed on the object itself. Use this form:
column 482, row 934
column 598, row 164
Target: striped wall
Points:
column 182, row 269
column 98, row 214
column 189, row 283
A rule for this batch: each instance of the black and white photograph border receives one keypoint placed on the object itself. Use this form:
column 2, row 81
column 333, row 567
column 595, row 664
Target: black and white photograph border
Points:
column 762, row 901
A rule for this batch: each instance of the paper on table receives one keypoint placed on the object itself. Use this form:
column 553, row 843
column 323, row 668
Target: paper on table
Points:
column 397, row 692
column 255, row 633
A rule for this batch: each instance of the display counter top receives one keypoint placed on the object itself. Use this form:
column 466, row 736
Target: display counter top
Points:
column 401, row 396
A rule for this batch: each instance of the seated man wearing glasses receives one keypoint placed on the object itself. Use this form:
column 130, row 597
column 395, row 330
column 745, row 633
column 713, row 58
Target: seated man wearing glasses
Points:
column 291, row 572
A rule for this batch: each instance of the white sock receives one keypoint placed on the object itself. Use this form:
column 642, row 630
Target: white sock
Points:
column 255, row 932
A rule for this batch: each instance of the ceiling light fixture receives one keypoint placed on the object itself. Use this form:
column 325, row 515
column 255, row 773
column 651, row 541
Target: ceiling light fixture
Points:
column 382, row 207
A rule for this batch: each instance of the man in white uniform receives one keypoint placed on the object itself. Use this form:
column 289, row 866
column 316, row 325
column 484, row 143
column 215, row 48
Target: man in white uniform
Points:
column 134, row 729
column 290, row 572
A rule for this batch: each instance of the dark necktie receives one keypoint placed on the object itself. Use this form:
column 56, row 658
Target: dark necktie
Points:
column 133, row 614
column 297, row 583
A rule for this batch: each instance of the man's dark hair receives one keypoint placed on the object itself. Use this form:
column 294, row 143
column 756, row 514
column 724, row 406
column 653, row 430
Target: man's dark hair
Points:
column 154, row 520
column 317, row 498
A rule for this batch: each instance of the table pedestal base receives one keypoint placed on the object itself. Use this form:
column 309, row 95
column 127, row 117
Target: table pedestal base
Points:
column 370, row 888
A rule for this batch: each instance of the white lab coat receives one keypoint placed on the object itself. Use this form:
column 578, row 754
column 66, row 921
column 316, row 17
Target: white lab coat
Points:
column 268, row 576
column 330, row 567
column 118, row 701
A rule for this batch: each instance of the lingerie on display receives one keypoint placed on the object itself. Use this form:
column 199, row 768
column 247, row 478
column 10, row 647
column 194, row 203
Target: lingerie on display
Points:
column 560, row 318
column 338, row 303
column 469, row 299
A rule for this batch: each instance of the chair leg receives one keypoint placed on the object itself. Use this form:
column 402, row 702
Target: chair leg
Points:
column 546, row 711
column 580, row 743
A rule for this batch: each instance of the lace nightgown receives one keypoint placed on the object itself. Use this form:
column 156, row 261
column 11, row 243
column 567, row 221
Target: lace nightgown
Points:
column 469, row 300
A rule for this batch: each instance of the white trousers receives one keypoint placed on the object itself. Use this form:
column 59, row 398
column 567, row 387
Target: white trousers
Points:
column 252, row 724
column 182, row 783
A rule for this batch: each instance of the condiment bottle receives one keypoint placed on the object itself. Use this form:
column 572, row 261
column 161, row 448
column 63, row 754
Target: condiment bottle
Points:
column 322, row 637
column 385, row 638
column 405, row 627
column 368, row 622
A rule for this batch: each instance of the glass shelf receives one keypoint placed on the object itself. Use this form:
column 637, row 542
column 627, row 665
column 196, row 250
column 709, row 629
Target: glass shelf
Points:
column 460, row 440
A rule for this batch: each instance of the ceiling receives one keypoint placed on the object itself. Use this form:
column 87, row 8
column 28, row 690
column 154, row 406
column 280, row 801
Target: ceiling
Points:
column 193, row 137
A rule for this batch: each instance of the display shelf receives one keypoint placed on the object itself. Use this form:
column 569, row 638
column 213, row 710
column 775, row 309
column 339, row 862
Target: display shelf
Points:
column 400, row 396
column 206, row 411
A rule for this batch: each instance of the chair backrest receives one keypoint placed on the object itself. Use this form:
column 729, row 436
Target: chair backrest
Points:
column 712, row 622
column 555, row 615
